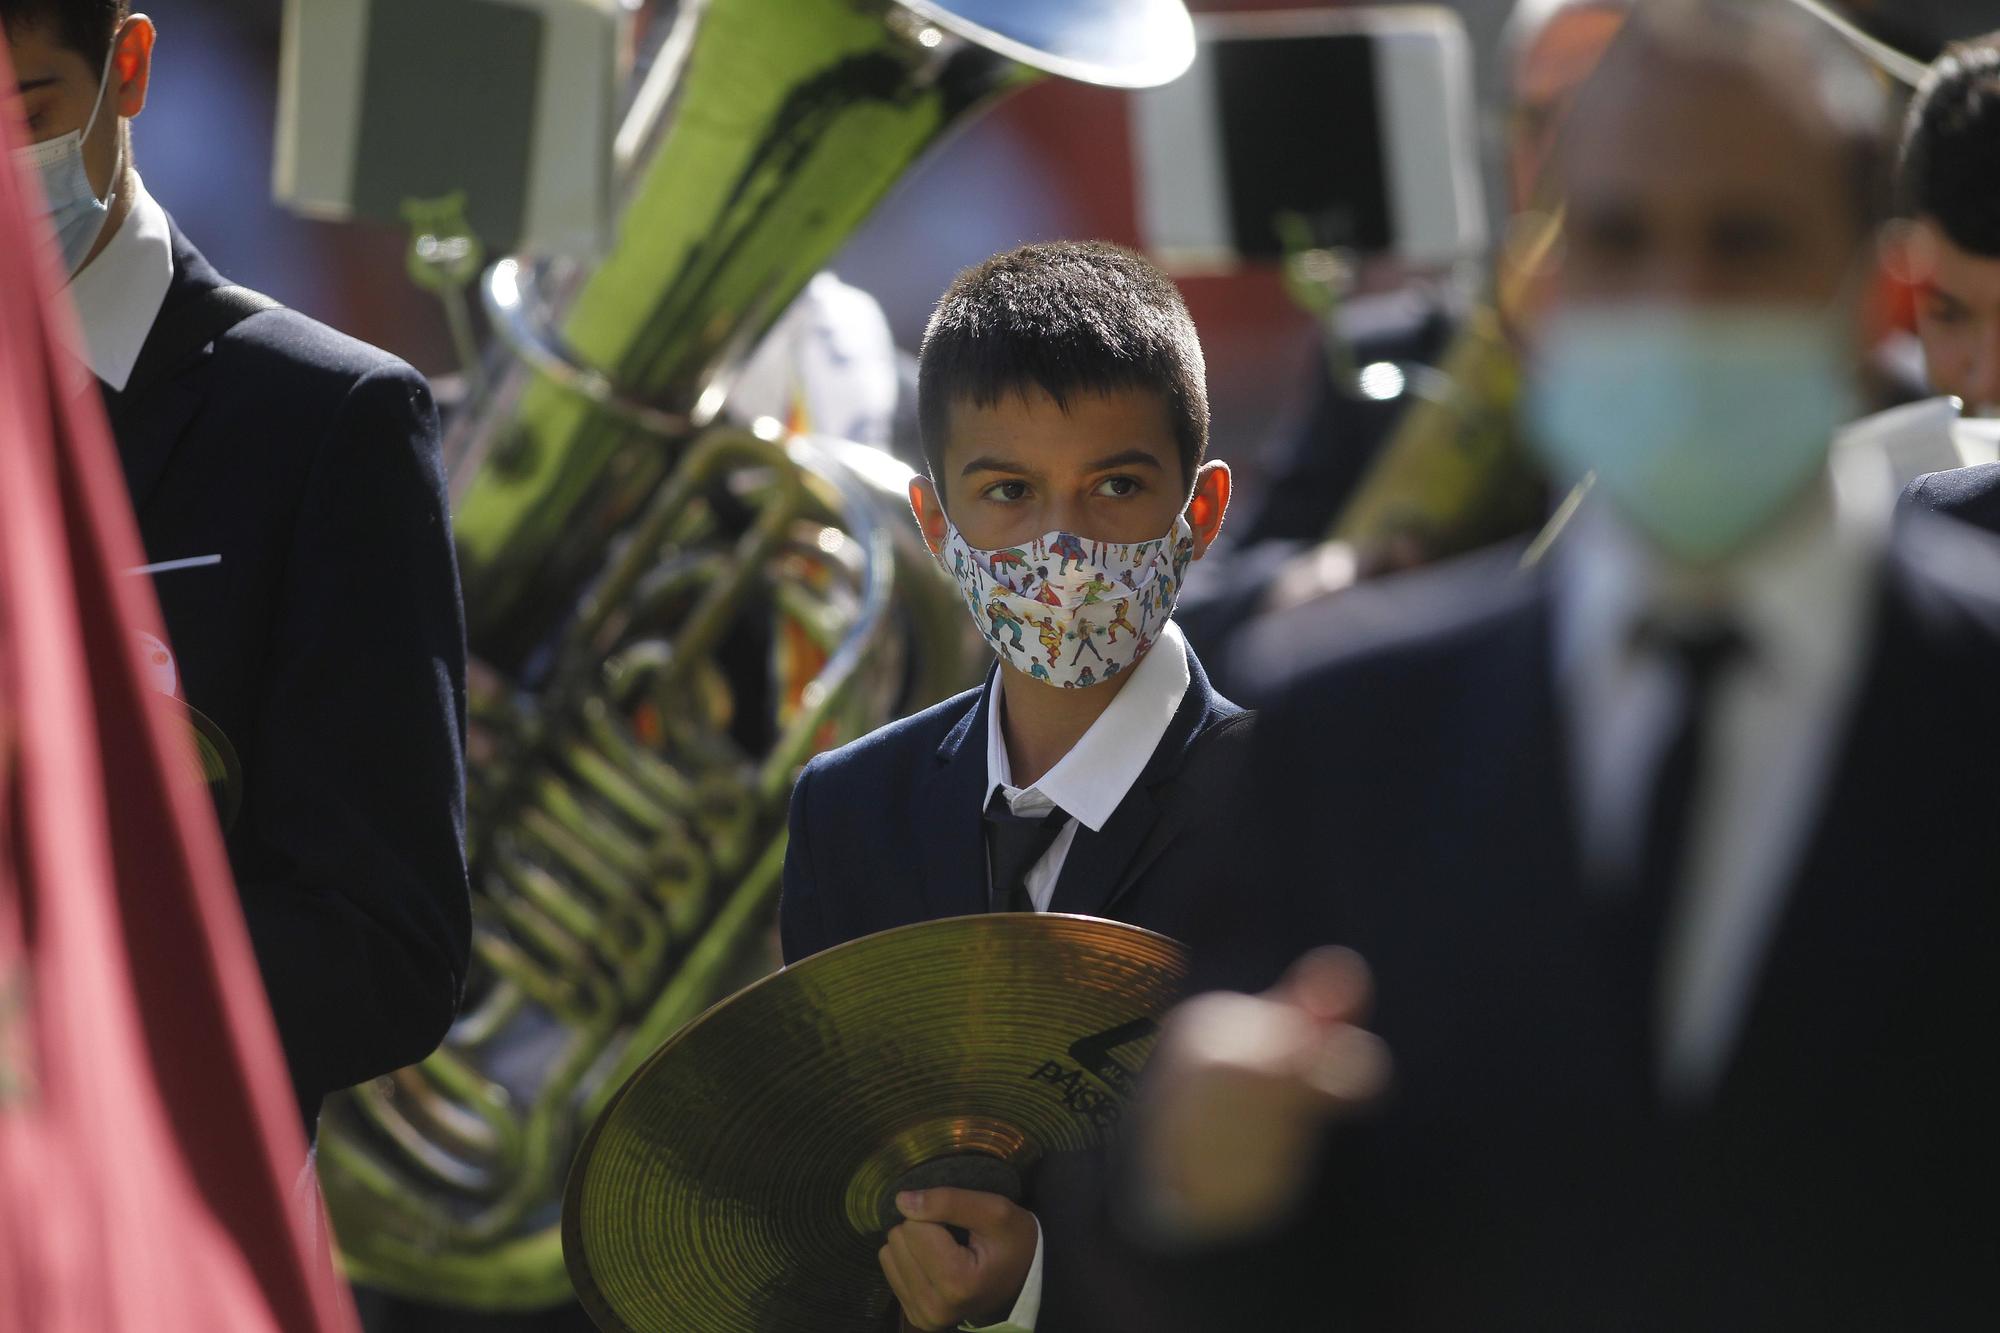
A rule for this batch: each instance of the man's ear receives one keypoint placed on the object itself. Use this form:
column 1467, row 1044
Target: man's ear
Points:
column 924, row 503
column 132, row 65
column 1210, row 502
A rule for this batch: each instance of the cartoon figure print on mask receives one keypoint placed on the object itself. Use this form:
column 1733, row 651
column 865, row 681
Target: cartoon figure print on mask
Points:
column 1058, row 583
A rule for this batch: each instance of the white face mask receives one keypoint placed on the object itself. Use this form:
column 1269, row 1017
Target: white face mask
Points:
column 75, row 214
column 1700, row 423
column 1067, row 610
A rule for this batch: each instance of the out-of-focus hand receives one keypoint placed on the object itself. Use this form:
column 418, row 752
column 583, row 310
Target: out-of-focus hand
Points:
column 1239, row 1090
column 941, row 1283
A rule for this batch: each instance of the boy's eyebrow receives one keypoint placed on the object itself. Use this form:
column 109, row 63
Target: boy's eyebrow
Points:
column 988, row 463
column 1127, row 459
column 26, row 86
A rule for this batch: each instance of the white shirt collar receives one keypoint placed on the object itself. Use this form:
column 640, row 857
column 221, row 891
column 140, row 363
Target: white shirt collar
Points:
column 1091, row 780
column 1800, row 594
column 118, row 295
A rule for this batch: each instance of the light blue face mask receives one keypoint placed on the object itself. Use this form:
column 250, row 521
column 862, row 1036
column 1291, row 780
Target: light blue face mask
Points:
column 1701, row 423
column 74, row 212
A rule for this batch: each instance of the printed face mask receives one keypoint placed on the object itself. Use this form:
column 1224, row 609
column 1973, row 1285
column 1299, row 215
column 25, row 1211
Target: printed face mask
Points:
column 72, row 207
column 1067, row 610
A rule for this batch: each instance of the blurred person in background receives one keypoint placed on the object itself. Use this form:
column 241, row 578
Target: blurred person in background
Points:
column 1681, row 947
column 1950, row 249
column 1431, row 471
column 292, row 478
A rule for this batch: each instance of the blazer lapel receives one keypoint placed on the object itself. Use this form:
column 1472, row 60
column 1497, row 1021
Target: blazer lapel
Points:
column 951, row 818
column 1098, row 869
column 149, row 417
column 148, row 426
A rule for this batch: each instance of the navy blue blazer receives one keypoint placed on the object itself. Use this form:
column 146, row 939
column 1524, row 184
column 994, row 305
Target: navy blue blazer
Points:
column 889, row 830
column 1969, row 494
column 1522, row 1174
column 329, row 646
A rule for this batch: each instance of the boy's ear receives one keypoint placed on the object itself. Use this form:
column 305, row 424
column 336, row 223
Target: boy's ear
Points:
column 924, row 503
column 1210, row 502
column 132, row 65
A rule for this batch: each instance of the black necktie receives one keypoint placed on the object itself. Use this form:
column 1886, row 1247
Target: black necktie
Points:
column 1703, row 657
column 1014, row 843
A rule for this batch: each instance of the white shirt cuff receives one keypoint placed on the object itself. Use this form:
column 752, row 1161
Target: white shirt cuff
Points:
column 1028, row 1306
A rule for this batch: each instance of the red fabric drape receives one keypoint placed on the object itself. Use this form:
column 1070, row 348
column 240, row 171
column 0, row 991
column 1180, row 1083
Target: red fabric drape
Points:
column 149, row 1144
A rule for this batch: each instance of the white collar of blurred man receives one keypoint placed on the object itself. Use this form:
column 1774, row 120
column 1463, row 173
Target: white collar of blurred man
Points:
column 1723, row 168
column 62, row 87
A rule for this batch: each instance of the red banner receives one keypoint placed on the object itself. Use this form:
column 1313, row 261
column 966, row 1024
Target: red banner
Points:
column 150, row 1149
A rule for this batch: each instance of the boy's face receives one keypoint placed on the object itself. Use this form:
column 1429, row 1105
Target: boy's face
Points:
column 1107, row 469
column 59, row 89
column 1958, row 316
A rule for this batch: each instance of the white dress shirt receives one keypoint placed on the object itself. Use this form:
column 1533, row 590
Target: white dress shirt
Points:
column 118, row 295
column 1089, row 783
column 1803, row 598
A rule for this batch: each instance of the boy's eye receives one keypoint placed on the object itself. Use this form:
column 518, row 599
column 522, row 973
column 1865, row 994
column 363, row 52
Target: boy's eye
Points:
column 1007, row 490
column 1119, row 487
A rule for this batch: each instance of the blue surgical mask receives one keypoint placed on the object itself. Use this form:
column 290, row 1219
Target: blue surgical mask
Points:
column 1701, row 423
column 74, row 212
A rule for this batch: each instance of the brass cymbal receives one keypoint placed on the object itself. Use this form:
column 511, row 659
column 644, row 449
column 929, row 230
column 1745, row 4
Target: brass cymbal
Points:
column 741, row 1180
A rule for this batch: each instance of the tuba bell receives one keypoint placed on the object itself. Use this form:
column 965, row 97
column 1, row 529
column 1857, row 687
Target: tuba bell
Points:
column 668, row 615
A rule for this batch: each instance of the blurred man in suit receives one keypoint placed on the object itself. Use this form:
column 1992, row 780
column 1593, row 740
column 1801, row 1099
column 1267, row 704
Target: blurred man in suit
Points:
column 1950, row 247
column 290, row 480
column 1681, row 942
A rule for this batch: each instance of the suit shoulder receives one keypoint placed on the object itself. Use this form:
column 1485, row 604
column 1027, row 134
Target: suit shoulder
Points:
column 1951, row 572
column 1964, row 492
column 1396, row 621
column 298, row 354
column 898, row 747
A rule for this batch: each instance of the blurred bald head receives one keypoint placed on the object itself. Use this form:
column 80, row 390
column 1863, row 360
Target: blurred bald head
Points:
column 1723, row 152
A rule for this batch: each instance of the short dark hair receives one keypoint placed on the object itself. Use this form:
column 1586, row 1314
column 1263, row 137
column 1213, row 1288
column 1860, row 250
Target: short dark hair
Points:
column 1066, row 317
column 1950, row 169
column 82, row 26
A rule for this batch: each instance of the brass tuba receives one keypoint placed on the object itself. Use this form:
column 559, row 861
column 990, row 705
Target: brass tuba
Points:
column 668, row 615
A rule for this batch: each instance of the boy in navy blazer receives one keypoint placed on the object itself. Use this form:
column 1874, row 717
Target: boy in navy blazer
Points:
column 1065, row 421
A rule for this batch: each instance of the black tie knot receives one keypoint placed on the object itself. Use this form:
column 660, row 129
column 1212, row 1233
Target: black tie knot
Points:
column 1702, row 649
column 1014, row 845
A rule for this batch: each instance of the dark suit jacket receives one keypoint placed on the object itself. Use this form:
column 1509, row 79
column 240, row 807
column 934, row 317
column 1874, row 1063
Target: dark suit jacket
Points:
column 889, row 830
column 329, row 645
column 1969, row 494
column 1522, row 1174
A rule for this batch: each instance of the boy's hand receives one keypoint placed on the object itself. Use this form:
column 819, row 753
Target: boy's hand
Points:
column 1239, row 1090
column 942, row 1283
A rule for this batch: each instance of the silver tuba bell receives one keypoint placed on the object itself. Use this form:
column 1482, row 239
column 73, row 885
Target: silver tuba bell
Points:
column 668, row 615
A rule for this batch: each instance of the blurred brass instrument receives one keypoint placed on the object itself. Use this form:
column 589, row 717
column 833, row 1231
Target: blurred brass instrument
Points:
column 668, row 616
column 1456, row 473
